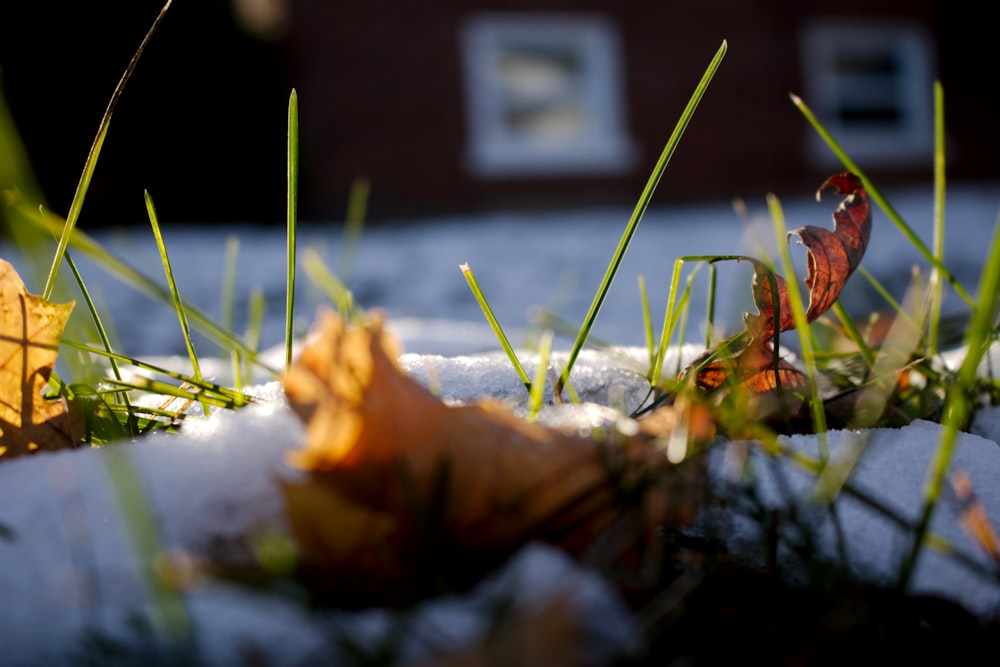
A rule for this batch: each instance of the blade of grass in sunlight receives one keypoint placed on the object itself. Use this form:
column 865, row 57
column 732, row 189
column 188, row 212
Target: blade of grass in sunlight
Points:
column 192, row 395
column 878, row 198
column 293, row 179
column 801, row 323
column 936, row 285
column 229, row 304
column 640, row 209
column 234, row 397
column 91, row 163
column 537, row 393
column 897, row 307
column 710, row 310
column 331, row 285
column 960, row 398
column 256, row 308
column 495, row 325
column 852, row 332
column 902, row 342
column 178, row 304
column 669, row 320
column 357, row 210
column 647, row 321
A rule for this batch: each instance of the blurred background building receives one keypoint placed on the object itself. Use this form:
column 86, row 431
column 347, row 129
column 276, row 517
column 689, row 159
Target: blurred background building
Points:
column 450, row 107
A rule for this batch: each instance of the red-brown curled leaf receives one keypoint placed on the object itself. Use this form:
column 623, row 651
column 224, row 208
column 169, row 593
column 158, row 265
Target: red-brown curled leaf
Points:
column 761, row 326
column 832, row 255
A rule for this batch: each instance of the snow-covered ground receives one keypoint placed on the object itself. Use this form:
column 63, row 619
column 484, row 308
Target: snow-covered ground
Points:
column 68, row 574
column 522, row 261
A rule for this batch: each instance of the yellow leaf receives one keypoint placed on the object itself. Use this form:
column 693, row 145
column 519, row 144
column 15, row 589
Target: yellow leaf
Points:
column 486, row 479
column 30, row 331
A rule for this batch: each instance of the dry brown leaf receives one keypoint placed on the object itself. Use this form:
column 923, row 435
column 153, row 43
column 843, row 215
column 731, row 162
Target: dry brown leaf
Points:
column 379, row 443
column 30, row 331
column 833, row 255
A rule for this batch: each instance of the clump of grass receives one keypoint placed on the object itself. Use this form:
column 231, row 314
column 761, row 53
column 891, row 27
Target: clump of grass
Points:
column 878, row 380
column 112, row 412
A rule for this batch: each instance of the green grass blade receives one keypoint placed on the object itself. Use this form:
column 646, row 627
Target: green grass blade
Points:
column 329, row 283
column 936, row 285
column 178, row 303
column 357, row 207
column 897, row 308
column 875, row 194
column 710, row 311
column 293, row 179
column 852, row 332
column 233, row 397
column 801, row 323
column 91, row 163
column 495, row 325
column 537, row 393
column 255, row 324
column 647, row 322
column 228, row 302
column 669, row 322
column 959, row 401
column 640, row 208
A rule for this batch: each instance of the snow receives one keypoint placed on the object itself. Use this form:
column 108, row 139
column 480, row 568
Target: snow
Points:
column 69, row 575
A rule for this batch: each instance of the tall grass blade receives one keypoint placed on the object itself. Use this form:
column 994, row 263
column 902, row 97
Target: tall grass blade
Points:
column 798, row 307
column 91, row 164
column 900, row 345
column 853, row 333
column 647, row 321
column 293, row 179
column 710, row 311
column 329, row 283
column 936, row 286
column 357, row 210
column 495, row 325
column 178, row 304
column 959, row 401
column 669, row 322
column 897, row 308
column 228, row 301
column 640, row 209
column 537, row 393
column 255, row 325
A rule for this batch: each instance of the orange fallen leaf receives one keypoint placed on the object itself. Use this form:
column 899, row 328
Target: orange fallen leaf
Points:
column 30, row 331
column 402, row 465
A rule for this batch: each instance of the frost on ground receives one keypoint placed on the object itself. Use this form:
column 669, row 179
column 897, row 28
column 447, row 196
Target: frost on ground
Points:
column 72, row 585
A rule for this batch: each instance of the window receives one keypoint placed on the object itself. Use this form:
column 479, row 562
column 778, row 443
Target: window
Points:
column 543, row 95
column 870, row 84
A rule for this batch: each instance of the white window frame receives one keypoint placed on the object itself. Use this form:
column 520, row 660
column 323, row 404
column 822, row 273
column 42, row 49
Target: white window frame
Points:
column 600, row 145
column 908, row 89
